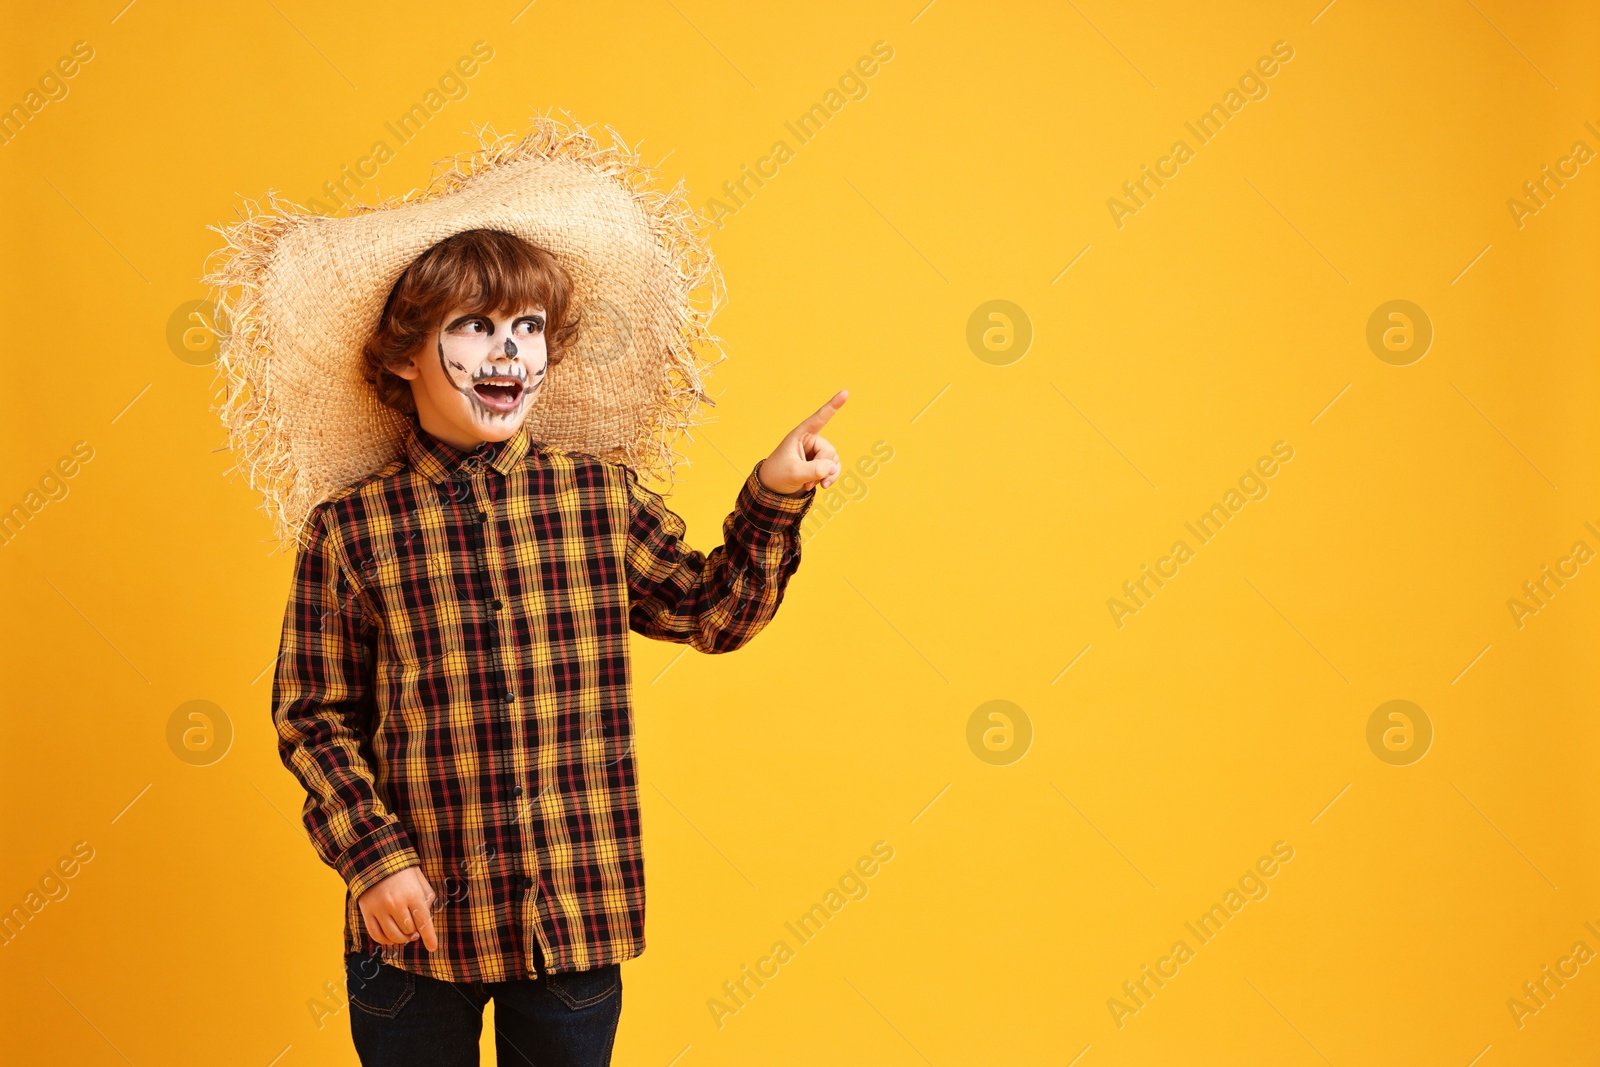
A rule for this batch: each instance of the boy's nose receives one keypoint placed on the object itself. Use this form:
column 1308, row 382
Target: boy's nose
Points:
column 511, row 348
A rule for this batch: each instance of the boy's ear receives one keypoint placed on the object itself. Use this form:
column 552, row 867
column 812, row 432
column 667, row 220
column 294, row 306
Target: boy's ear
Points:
column 407, row 370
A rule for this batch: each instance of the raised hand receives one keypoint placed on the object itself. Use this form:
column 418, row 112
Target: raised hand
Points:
column 804, row 459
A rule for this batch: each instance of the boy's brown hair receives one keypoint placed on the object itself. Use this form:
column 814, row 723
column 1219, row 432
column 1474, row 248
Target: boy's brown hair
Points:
column 481, row 270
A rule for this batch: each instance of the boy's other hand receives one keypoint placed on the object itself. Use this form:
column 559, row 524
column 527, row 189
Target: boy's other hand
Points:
column 804, row 459
column 398, row 909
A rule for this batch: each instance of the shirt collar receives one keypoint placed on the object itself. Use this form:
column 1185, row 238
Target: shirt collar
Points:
column 436, row 461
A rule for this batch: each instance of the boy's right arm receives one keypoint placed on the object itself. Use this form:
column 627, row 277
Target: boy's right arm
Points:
column 322, row 709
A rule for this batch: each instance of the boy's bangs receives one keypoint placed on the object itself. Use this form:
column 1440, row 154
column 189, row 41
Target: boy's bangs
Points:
column 498, row 286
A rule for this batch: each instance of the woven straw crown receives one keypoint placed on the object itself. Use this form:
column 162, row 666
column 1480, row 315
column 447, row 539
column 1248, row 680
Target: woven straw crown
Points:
column 298, row 294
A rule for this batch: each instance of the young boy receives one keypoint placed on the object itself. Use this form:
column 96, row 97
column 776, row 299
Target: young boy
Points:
column 453, row 684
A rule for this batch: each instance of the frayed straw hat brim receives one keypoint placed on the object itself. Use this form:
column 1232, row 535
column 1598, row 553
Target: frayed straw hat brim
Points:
column 299, row 293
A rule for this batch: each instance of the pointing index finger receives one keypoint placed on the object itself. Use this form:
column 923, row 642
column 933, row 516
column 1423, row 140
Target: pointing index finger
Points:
column 424, row 920
column 820, row 419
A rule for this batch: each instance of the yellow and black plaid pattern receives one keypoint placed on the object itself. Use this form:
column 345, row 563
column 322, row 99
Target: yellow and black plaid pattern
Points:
column 453, row 687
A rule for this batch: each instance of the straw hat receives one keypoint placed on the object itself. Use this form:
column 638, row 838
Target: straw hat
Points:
column 298, row 293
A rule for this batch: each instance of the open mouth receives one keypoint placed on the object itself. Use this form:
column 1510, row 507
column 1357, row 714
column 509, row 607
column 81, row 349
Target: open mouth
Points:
column 499, row 394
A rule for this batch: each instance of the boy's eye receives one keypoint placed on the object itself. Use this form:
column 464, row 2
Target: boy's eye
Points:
column 528, row 326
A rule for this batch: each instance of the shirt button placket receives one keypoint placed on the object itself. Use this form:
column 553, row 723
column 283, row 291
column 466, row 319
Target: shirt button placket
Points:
column 525, row 887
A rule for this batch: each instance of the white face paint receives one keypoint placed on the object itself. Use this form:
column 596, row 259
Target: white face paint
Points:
column 482, row 376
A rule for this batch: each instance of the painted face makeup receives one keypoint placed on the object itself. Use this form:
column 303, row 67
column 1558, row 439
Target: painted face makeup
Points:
column 484, row 374
column 497, row 367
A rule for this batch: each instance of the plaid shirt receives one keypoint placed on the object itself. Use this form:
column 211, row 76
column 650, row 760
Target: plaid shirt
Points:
column 453, row 687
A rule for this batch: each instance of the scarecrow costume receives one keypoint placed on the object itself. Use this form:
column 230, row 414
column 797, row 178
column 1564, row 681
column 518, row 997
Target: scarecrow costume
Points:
column 453, row 686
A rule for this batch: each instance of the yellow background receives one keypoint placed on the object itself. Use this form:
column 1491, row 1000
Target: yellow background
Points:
column 1225, row 716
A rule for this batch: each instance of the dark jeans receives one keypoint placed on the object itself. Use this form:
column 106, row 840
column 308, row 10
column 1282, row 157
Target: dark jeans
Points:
column 557, row 1020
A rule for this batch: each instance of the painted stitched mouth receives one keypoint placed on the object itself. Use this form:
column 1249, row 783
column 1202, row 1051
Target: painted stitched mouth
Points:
column 499, row 393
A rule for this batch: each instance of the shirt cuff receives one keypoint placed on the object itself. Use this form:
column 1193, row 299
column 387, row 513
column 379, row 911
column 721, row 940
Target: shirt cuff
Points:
column 769, row 510
column 385, row 851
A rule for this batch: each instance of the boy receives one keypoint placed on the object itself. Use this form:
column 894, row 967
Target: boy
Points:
column 453, row 681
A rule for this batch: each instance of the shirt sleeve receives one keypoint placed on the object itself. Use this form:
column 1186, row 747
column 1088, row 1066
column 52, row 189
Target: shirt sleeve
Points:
column 323, row 710
column 716, row 602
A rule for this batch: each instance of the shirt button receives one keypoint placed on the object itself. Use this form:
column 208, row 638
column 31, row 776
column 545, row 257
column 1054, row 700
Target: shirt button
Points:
column 483, row 516
column 496, row 604
column 516, row 791
column 527, row 882
column 511, row 697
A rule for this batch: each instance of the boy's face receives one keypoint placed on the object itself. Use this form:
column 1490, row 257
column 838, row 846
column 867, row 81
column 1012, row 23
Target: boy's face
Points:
column 479, row 375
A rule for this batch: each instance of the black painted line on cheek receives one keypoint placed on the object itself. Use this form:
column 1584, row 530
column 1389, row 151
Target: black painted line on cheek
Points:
column 444, row 364
column 476, row 405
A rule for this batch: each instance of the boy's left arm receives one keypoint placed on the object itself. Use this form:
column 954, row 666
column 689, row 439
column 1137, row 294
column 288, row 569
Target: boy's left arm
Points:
column 718, row 602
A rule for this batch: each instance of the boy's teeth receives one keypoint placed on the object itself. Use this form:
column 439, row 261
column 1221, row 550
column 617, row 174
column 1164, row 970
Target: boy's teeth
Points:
column 503, row 390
